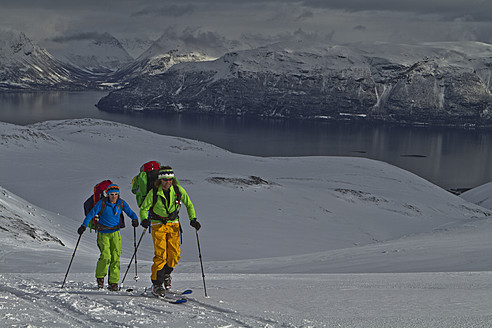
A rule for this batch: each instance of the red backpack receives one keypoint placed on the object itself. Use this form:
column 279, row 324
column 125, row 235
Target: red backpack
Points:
column 99, row 192
column 150, row 166
column 143, row 182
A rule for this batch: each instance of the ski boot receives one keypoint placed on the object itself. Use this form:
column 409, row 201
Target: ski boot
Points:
column 158, row 290
column 100, row 283
column 167, row 281
column 113, row 287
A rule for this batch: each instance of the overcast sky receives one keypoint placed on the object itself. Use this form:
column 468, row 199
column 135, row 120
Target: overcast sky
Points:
column 339, row 20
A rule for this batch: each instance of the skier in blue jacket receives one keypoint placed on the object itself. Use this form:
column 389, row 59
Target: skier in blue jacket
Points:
column 108, row 236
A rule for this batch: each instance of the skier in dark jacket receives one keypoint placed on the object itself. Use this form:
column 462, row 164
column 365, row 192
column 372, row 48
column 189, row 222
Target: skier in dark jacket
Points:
column 108, row 234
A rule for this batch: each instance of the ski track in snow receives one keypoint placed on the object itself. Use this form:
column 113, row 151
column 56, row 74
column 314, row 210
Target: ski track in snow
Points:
column 242, row 300
column 79, row 304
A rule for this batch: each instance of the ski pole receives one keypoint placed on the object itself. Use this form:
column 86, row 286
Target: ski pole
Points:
column 135, row 247
column 73, row 255
column 134, row 254
column 201, row 262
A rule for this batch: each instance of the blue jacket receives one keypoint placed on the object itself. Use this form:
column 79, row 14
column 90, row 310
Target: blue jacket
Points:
column 111, row 215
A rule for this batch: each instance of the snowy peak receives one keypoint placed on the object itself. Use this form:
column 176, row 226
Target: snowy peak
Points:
column 16, row 47
column 171, row 49
column 191, row 41
column 15, row 44
column 26, row 66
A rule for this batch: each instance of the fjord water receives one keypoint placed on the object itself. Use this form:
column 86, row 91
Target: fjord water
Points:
column 449, row 157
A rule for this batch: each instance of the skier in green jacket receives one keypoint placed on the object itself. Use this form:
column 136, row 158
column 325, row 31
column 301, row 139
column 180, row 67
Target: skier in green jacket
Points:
column 160, row 211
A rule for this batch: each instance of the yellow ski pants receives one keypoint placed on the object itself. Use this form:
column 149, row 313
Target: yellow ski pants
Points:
column 167, row 248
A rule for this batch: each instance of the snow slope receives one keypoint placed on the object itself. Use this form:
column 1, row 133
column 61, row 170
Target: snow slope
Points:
column 480, row 195
column 286, row 242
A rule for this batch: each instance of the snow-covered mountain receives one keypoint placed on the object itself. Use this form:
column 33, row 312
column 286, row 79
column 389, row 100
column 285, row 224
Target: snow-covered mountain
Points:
column 173, row 48
column 98, row 53
column 91, row 59
column 445, row 83
column 381, row 247
column 26, row 66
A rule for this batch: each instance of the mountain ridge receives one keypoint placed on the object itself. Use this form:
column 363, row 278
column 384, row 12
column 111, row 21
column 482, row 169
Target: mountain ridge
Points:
column 440, row 83
column 24, row 66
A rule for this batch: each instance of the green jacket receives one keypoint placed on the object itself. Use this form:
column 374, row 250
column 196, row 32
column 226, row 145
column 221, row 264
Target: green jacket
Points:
column 165, row 209
column 139, row 187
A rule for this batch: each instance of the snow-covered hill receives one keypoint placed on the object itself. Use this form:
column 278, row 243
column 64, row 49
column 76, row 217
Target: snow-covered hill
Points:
column 275, row 232
column 335, row 202
column 20, row 223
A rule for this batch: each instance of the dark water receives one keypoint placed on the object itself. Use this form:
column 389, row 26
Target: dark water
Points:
column 448, row 157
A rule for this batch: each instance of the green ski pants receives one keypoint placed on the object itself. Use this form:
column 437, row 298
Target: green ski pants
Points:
column 110, row 246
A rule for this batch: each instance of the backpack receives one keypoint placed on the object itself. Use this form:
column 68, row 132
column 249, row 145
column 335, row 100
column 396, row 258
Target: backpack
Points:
column 144, row 181
column 99, row 193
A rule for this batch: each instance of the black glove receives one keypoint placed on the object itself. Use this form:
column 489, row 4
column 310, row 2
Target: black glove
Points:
column 145, row 223
column 195, row 224
column 135, row 223
column 81, row 230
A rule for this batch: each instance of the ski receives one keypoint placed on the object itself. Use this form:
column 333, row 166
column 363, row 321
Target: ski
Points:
column 176, row 297
column 172, row 300
column 179, row 293
column 172, row 297
column 166, row 298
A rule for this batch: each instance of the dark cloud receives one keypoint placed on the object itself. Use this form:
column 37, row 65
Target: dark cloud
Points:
column 169, row 11
column 64, row 4
column 82, row 37
column 196, row 37
column 255, row 40
column 478, row 9
column 342, row 20
column 305, row 15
